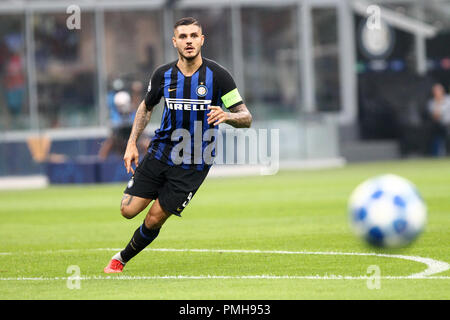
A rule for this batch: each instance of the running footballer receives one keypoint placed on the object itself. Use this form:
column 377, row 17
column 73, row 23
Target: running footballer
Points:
column 194, row 90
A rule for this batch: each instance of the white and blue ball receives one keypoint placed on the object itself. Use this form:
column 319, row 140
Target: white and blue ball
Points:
column 387, row 211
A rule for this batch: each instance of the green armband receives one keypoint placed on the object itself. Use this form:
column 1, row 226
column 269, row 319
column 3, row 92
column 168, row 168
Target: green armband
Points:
column 231, row 98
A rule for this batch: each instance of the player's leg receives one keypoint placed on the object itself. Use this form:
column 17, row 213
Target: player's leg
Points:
column 146, row 233
column 141, row 189
column 132, row 205
column 156, row 216
column 175, row 194
column 142, row 237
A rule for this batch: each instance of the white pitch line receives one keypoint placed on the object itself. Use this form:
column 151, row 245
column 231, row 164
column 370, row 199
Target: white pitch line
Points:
column 433, row 266
column 205, row 277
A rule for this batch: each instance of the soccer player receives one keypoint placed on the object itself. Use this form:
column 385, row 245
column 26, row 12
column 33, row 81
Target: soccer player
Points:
column 177, row 162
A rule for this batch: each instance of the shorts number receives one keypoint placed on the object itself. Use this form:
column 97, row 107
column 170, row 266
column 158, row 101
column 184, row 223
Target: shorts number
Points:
column 188, row 199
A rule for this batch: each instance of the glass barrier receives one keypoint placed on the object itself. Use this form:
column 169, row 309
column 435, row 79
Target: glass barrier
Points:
column 326, row 59
column 133, row 50
column 65, row 71
column 14, row 109
column 271, row 70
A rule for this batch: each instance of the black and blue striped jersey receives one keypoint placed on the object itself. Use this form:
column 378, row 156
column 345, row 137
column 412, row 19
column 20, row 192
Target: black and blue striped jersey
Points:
column 186, row 102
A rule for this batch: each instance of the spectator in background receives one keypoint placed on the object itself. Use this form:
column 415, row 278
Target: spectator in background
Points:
column 136, row 93
column 14, row 76
column 439, row 111
column 122, row 110
column 120, row 119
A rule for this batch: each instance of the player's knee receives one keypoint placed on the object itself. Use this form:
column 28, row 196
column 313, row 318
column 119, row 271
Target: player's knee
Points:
column 154, row 221
column 126, row 209
column 126, row 212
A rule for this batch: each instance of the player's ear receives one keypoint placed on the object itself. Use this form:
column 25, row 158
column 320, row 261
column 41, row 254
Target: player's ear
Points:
column 203, row 39
column 174, row 42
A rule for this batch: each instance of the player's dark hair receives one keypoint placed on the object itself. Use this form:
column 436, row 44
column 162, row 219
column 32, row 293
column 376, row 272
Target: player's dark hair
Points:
column 187, row 21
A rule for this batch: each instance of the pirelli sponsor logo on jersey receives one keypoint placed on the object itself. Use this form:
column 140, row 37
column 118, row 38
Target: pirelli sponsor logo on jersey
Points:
column 187, row 104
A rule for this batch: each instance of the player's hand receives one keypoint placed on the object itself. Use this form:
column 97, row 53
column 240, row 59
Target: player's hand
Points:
column 131, row 156
column 217, row 115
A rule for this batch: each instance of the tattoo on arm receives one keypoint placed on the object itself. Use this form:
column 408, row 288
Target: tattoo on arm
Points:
column 240, row 117
column 141, row 120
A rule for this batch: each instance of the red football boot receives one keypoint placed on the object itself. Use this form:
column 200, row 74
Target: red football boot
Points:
column 114, row 266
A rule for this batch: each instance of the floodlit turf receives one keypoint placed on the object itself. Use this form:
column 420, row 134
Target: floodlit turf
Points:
column 287, row 226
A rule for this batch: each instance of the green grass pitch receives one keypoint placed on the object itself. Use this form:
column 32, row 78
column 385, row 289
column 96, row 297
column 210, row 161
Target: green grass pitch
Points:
column 265, row 237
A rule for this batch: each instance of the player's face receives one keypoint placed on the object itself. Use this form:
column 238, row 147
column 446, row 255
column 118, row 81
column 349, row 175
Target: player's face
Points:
column 188, row 40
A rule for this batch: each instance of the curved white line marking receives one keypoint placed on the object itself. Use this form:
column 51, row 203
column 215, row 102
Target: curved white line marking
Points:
column 433, row 266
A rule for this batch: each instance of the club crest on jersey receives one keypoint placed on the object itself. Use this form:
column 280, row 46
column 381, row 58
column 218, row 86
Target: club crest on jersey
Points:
column 187, row 104
column 202, row 90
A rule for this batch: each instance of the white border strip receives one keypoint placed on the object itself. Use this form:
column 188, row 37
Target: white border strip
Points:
column 23, row 182
column 433, row 266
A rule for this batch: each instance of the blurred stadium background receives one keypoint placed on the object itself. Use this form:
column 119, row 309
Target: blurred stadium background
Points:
column 337, row 90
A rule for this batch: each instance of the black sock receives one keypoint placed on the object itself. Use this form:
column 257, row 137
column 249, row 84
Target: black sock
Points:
column 142, row 237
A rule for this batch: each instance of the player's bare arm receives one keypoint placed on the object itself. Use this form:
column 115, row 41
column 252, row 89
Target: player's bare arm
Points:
column 238, row 117
column 141, row 120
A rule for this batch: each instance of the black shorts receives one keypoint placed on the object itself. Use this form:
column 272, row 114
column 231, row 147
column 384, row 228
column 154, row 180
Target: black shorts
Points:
column 173, row 186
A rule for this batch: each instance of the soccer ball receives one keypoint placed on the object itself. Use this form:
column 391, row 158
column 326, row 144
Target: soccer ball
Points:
column 387, row 211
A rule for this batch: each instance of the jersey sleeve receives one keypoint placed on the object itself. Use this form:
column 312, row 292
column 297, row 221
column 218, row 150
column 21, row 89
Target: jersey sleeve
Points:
column 229, row 92
column 154, row 91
